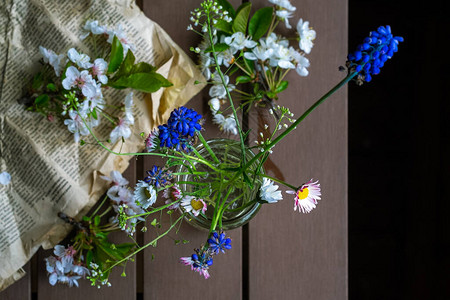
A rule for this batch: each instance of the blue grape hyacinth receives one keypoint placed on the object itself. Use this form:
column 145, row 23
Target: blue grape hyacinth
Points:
column 159, row 177
column 180, row 129
column 371, row 55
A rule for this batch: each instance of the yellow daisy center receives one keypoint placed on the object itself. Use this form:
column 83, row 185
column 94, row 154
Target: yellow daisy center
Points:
column 196, row 204
column 303, row 193
column 147, row 193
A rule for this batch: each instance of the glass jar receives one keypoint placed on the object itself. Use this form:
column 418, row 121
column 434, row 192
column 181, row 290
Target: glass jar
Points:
column 228, row 153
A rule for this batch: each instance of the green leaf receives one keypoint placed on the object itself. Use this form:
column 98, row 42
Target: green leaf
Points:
column 271, row 95
column 37, row 81
column 243, row 79
column 116, row 56
column 282, row 86
column 127, row 65
column 144, row 82
column 250, row 65
column 224, row 26
column 241, row 20
column 228, row 7
column 218, row 48
column 86, row 218
column 41, row 100
column 97, row 220
column 247, row 180
column 51, row 87
column 260, row 22
column 143, row 67
column 154, row 222
column 94, row 113
column 89, row 257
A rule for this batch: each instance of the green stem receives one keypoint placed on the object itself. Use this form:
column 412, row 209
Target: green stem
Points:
column 296, row 123
column 145, row 246
column 207, row 147
column 153, row 211
column 98, row 207
column 279, row 181
column 222, row 78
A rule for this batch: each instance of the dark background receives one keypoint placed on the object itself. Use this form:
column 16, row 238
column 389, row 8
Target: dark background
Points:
column 398, row 157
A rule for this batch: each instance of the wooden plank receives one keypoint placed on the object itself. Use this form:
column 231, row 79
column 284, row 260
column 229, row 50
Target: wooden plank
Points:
column 122, row 287
column 164, row 273
column 292, row 255
column 20, row 290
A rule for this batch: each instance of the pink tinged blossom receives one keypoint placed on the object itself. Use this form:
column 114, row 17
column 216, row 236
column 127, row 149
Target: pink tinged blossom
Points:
column 115, row 178
column 99, row 69
column 129, row 118
column 76, row 125
column 307, row 196
column 122, row 130
column 83, row 80
column 121, row 36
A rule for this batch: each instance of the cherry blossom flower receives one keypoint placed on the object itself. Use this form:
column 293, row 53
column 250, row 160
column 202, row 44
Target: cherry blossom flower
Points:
column 5, row 178
column 81, row 59
column 76, row 125
column 285, row 15
column 82, row 80
column 121, row 36
column 239, row 41
column 301, row 62
column 122, row 130
column 92, row 26
column 307, row 36
column 286, row 4
column 57, row 61
column 227, row 124
column 99, row 69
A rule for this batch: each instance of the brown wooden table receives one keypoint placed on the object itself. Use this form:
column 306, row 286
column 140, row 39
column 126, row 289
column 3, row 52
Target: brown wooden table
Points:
column 281, row 254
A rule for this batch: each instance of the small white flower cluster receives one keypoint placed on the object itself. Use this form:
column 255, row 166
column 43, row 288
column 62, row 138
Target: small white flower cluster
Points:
column 97, row 276
column 84, row 80
column 61, row 267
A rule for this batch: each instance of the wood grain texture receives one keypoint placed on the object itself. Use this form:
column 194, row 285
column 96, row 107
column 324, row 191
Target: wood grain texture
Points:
column 20, row 290
column 165, row 277
column 122, row 287
column 304, row 256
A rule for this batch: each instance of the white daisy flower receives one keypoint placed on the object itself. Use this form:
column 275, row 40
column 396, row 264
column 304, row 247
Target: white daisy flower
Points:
column 144, row 194
column 307, row 36
column 269, row 192
column 191, row 204
column 307, row 196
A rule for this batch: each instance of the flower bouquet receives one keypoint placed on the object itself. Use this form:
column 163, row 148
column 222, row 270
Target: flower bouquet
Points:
column 217, row 184
column 70, row 86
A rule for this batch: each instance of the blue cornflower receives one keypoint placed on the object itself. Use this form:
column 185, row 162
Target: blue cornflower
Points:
column 158, row 177
column 184, row 121
column 371, row 55
column 199, row 262
column 219, row 243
